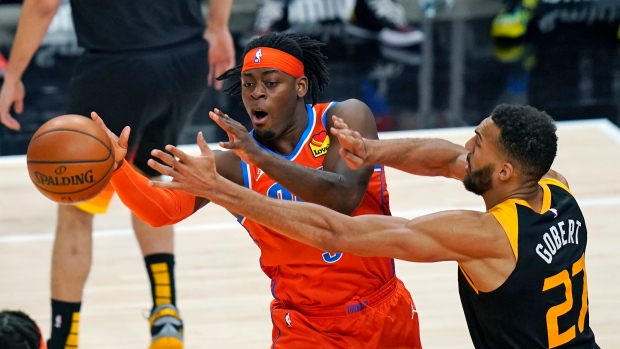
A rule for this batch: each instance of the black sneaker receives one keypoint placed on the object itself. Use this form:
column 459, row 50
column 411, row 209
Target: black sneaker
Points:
column 383, row 20
column 271, row 15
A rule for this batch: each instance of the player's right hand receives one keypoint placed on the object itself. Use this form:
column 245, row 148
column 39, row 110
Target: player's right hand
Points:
column 119, row 144
column 11, row 95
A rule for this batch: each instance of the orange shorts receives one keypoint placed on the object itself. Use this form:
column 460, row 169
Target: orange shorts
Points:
column 385, row 319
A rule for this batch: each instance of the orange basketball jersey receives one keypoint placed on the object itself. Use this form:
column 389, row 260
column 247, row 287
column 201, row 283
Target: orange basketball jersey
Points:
column 304, row 275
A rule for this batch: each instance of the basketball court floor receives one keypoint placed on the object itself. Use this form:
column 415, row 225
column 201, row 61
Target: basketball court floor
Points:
column 224, row 296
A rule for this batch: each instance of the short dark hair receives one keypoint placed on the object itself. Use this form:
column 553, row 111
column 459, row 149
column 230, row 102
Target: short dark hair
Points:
column 307, row 50
column 18, row 331
column 527, row 135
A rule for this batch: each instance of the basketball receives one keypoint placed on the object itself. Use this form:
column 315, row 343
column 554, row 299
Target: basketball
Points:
column 70, row 159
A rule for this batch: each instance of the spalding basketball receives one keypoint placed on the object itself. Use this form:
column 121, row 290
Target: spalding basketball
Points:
column 70, row 159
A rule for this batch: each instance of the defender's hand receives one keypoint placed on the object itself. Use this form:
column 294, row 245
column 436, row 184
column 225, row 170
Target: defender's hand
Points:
column 353, row 149
column 195, row 175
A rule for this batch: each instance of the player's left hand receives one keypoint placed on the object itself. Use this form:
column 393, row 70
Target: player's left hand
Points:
column 239, row 139
column 195, row 175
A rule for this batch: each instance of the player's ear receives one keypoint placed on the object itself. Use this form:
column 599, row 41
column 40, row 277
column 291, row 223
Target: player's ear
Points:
column 301, row 85
column 506, row 171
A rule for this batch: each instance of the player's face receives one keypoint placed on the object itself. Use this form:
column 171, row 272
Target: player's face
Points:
column 270, row 98
column 480, row 160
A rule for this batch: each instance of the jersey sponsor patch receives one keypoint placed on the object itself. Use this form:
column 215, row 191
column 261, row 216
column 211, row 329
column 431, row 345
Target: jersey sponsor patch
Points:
column 319, row 144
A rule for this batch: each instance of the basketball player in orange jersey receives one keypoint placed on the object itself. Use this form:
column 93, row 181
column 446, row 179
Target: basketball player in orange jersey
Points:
column 522, row 275
column 145, row 63
column 322, row 299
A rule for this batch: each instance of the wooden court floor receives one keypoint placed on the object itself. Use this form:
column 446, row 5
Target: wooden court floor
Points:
column 223, row 295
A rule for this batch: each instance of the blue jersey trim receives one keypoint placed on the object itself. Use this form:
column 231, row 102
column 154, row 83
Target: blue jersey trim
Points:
column 324, row 116
column 302, row 140
column 240, row 219
column 246, row 174
column 273, row 345
column 273, row 287
column 246, row 183
column 381, row 178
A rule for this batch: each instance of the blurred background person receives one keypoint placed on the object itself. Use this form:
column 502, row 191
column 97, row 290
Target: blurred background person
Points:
column 382, row 20
column 147, row 65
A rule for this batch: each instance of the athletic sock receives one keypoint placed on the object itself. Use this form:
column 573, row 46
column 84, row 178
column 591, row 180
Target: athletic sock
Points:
column 160, row 267
column 65, row 325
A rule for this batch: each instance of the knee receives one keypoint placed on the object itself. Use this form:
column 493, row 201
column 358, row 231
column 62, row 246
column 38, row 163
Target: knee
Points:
column 71, row 217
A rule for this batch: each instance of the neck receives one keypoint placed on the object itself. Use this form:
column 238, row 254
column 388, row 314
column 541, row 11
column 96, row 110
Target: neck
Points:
column 528, row 191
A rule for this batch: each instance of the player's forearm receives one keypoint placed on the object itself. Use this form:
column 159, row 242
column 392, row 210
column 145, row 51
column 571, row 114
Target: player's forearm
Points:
column 307, row 223
column 155, row 206
column 34, row 20
column 219, row 14
column 420, row 156
column 325, row 188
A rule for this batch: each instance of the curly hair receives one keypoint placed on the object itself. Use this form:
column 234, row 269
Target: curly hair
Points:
column 18, row 331
column 527, row 135
column 307, row 50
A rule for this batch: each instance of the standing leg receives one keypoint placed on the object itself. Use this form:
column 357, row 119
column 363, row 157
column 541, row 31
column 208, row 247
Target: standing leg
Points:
column 71, row 261
column 157, row 245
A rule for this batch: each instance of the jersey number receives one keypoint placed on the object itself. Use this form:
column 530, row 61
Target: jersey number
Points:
column 564, row 278
column 277, row 191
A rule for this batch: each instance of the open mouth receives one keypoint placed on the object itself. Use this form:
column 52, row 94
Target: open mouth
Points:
column 259, row 115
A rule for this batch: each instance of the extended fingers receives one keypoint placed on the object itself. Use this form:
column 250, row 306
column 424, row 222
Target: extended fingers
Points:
column 203, row 146
column 339, row 123
column 222, row 120
column 165, row 184
column 159, row 167
column 123, row 140
column 179, row 154
column 352, row 160
column 346, row 135
column 234, row 129
column 166, row 159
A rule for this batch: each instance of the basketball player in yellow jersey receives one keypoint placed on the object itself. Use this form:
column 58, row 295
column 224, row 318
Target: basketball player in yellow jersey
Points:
column 522, row 275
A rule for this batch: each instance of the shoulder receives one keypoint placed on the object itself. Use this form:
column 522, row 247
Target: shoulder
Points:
column 356, row 114
column 348, row 108
column 554, row 178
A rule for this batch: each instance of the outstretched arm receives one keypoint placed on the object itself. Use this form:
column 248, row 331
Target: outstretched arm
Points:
column 157, row 207
column 444, row 236
column 450, row 235
column 420, row 156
